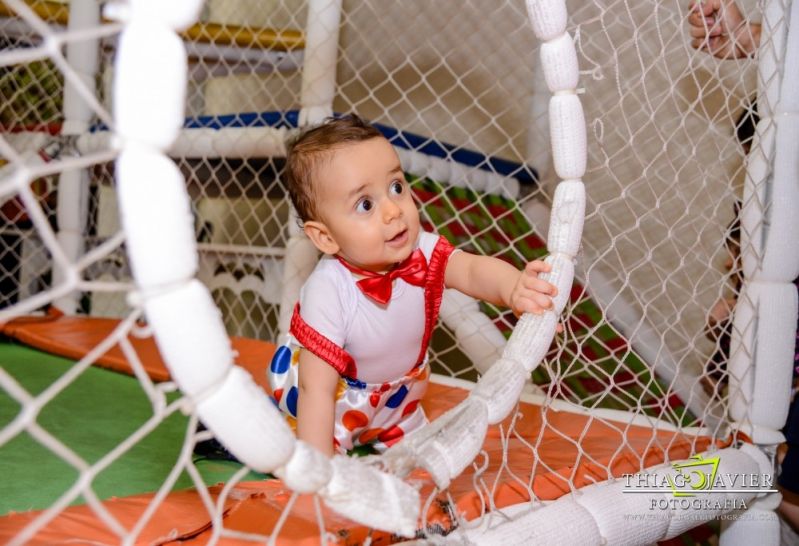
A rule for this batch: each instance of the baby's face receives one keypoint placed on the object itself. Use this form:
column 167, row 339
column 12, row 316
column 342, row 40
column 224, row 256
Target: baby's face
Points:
column 366, row 205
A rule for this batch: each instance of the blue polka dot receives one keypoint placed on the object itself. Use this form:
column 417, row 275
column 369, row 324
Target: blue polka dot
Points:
column 354, row 383
column 291, row 400
column 396, row 399
column 281, row 361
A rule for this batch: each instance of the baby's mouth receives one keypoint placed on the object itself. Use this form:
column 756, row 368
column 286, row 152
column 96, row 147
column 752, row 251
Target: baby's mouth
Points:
column 399, row 237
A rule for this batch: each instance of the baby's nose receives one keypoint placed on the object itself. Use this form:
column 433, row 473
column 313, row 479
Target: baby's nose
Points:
column 391, row 210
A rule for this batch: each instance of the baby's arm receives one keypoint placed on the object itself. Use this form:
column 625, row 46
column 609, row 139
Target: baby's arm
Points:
column 496, row 281
column 318, row 382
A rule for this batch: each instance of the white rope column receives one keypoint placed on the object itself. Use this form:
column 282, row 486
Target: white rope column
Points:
column 316, row 103
column 73, row 185
column 319, row 64
column 764, row 325
column 187, row 325
column 449, row 444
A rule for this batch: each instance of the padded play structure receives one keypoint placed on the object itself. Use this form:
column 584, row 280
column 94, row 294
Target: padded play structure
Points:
column 252, row 504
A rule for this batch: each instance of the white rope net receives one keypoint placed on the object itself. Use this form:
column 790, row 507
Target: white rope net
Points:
column 650, row 369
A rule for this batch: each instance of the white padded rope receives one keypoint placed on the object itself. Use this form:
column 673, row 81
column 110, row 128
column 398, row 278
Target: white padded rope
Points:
column 761, row 526
column 763, row 341
column 762, row 346
column 446, row 446
column 187, row 325
column 600, row 513
column 548, row 18
column 477, row 335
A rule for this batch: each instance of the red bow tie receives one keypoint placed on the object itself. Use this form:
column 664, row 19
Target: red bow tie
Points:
column 378, row 285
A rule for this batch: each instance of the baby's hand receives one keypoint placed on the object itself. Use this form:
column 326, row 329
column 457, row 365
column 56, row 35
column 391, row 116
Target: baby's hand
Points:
column 531, row 294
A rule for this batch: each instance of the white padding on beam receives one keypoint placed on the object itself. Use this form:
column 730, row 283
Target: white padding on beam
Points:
column 73, row 189
column 151, row 114
column 242, row 417
column 191, row 336
column 548, row 18
column 443, row 447
column 82, row 56
column 246, row 422
column 759, row 524
column 531, row 339
column 561, row 276
column 500, row 388
column 771, row 57
column 624, row 518
column 689, row 511
column 567, row 131
column 559, row 60
column 458, row 438
column 477, row 335
column 754, row 205
column 371, row 497
column 740, row 367
column 313, row 115
column 452, row 173
column 605, row 514
column 228, row 142
column 567, row 217
column 71, row 243
column 156, row 217
column 761, row 354
column 563, row 522
column 764, row 465
column 754, row 527
column 319, row 67
column 307, row 471
column 774, row 357
column 301, row 258
column 781, row 260
column 231, row 142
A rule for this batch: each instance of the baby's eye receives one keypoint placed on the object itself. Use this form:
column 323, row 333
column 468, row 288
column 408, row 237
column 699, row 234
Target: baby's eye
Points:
column 396, row 187
column 364, row 205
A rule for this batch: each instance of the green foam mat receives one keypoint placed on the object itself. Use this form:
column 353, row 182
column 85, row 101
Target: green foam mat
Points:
column 91, row 417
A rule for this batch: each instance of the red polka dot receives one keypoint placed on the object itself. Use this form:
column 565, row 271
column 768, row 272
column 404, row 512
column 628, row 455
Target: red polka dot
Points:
column 369, row 435
column 391, row 436
column 377, row 394
column 278, row 394
column 410, row 407
column 354, row 419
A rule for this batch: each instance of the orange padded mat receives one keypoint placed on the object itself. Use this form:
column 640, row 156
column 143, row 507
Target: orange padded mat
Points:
column 73, row 337
column 255, row 507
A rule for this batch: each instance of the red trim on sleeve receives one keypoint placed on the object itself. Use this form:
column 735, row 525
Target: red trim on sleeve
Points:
column 434, row 291
column 338, row 358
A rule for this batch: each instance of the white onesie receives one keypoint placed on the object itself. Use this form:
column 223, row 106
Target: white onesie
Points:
column 380, row 351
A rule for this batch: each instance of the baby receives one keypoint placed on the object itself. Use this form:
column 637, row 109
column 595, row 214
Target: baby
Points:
column 355, row 367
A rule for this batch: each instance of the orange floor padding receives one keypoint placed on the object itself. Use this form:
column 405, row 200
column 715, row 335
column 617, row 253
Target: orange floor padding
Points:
column 254, row 507
column 73, row 337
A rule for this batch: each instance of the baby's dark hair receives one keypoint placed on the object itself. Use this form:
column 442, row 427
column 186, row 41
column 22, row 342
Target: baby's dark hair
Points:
column 311, row 148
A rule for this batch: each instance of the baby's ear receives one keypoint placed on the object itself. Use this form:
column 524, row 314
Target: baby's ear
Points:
column 320, row 236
